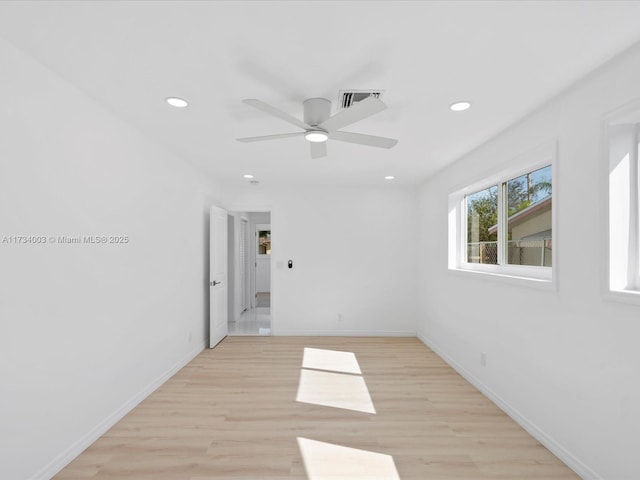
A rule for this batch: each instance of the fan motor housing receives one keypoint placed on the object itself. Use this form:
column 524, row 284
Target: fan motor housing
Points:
column 316, row 110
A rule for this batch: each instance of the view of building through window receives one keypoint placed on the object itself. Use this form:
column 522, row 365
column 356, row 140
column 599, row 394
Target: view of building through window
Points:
column 527, row 203
column 529, row 219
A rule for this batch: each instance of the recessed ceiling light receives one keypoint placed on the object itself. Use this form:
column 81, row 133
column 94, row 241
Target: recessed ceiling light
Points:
column 248, row 176
column 389, row 177
column 177, row 102
column 460, row 106
column 316, row 136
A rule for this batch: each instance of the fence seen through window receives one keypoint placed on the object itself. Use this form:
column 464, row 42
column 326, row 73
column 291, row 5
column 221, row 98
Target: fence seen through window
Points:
column 526, row 237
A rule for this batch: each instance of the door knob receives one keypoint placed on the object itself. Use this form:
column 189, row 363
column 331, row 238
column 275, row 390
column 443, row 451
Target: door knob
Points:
column 214, row 283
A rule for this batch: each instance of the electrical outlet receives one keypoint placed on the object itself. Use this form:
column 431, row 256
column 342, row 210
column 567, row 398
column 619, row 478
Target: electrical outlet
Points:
column 483, row 359
column 339, row 317
column 190, row 337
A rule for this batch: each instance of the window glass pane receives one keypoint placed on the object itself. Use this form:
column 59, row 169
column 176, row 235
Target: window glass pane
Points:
column 482, row 226
column 529, row 201
column 264, row 242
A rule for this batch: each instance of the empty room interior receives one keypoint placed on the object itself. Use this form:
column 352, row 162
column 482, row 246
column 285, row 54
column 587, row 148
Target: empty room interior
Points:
column 319, row 240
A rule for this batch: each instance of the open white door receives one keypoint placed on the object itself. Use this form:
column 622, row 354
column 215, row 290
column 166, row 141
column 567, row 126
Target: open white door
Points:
column 218, row 277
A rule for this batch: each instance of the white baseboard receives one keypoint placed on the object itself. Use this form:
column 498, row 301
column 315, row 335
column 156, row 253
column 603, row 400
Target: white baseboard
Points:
column 62, row 460
column 341, row 333
column 545, row 439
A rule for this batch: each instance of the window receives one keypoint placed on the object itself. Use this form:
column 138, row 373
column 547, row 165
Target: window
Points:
column 527, row 231
column 624, row 221
column 504, row 225
column 264, row 242
column 529, row 203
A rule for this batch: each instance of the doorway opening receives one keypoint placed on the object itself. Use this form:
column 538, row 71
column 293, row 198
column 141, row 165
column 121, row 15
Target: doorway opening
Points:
column 249, row 273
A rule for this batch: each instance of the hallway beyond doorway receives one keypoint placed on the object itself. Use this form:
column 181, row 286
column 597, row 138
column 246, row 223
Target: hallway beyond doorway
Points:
column 249, row 257
column 256, row 321
column 263, row 299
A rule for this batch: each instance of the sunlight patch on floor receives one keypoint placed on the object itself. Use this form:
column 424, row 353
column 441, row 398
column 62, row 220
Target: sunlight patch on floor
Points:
column 337, row 390
column 326, row 461
column 335, row 361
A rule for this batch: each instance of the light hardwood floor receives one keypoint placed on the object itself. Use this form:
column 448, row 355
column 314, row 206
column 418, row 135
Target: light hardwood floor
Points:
column 232, row 414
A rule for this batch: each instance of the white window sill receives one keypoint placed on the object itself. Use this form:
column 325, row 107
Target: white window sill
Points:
column 531, row 282
column 624, row 296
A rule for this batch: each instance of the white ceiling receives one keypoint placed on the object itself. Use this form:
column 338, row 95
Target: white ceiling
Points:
column 505, row 57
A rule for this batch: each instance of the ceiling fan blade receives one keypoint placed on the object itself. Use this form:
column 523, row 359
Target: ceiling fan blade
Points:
column 318, row 149
column 362, row 139
column 270, row 137
column 265, row 107
column 353, row 114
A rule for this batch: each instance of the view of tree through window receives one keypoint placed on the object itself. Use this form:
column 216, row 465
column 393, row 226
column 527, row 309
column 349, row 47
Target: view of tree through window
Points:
column 482, row 214
column 527, row 201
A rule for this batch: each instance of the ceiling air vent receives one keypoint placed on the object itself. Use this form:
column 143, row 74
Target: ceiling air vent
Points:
column 349, row 97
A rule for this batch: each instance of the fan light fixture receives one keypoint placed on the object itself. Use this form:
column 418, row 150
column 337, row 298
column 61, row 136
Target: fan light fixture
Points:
column 319, row 125
column 460, row 106
column 177, row 102
column 316, row 136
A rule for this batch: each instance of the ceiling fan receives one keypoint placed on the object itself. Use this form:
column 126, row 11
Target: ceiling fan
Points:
column 319, row 126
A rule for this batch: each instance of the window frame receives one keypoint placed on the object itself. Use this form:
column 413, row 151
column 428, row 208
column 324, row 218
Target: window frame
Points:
column 539, row 157
column 627, row 115
column 634, row 165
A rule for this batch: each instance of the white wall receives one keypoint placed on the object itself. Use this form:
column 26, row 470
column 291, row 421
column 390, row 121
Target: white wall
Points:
column 263, row 274
column 566, row 361
column 86, row 331
column 363, row 266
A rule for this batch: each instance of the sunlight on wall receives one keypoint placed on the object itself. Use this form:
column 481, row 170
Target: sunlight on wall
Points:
column 324, row 461
column 337, row 390
column 332, row 360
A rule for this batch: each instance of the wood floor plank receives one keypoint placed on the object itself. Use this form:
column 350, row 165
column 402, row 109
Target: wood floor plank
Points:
column 232, row 414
